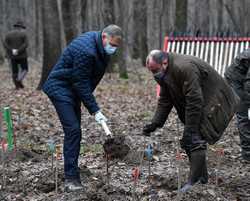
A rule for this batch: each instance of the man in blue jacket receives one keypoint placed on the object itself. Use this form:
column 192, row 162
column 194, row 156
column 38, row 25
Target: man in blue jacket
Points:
column 72, row 81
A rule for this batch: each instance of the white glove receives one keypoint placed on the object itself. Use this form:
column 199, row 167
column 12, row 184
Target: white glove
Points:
column 99, row 117
column 15, row 52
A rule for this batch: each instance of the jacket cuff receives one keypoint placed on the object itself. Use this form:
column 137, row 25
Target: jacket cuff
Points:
column 93, row 110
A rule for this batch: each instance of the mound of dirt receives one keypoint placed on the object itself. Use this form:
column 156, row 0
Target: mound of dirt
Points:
column 116, row 147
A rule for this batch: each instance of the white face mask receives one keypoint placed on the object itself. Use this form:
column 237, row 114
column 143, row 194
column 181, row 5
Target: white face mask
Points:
column 109, row 49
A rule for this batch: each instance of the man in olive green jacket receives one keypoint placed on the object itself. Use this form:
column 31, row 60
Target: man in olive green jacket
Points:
column 204, row 102
column 16, row 43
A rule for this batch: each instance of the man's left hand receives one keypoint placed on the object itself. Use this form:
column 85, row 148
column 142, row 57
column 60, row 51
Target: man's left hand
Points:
column 149, row 128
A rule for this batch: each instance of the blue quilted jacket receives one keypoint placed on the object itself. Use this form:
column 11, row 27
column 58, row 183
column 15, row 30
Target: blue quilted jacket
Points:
column 78, row 71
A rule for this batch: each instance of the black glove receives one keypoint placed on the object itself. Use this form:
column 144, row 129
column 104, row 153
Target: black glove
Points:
column 147, row 129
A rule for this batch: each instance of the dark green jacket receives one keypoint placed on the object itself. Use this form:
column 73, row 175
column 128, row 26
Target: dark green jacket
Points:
column 202, row 98
column 16, row 39
column 238, row 76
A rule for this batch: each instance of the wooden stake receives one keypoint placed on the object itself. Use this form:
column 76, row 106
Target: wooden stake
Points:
column 179, row 158
column 107, row 169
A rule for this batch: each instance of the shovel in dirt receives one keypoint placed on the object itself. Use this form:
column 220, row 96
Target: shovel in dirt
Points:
column 114, row 146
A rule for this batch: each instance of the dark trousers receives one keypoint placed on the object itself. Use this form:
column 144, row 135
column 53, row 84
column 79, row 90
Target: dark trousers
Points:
column 15, row 70
column 243, row 124
column 192, row 141
column 70, row 118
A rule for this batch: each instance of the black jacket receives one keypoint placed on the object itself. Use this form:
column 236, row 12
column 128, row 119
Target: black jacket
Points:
column 238, row 76
column 16, row 39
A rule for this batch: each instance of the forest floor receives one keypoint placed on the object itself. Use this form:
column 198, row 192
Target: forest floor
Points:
column 129, row 104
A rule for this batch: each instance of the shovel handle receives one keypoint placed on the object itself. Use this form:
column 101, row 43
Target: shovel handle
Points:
column 106, row 128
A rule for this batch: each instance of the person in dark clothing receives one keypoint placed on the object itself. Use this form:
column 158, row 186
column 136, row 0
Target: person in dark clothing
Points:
column 73, row 80
column 16, row 43
column 188, row 84
column 238, row 76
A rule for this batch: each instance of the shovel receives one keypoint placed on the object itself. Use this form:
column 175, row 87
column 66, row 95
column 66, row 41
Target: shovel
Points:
column 114, row 146
column 106, row 129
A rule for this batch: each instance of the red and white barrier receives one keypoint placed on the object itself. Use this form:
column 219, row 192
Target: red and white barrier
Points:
column 219, row 52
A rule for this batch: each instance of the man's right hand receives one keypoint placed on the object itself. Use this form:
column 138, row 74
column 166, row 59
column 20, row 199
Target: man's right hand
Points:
column 147, row 129
column 15, row 52
column 99, row 117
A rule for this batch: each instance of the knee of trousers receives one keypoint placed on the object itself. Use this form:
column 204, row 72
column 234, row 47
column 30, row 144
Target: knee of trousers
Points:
column 193, row 146
column 72, row 131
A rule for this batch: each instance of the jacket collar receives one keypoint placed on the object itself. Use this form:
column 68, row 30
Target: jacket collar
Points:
column 99, row 45
column 171, row 70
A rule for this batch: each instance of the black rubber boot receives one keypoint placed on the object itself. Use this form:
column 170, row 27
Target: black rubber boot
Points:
column 198, row 169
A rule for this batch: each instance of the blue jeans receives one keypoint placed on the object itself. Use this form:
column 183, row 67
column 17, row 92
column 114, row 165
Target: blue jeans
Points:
column 70, row 118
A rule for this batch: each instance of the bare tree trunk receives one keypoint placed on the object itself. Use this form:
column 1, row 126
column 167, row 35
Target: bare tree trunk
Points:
column 83, row 14
column 181, row 15
column 1, row 32
column 51, row 38
column 38, row 31
column 140, row 48
column 70, row 18
column 1, row 54
column 154, row 25
column 246, row 14
column 107, row 14
column 123, row 51
column 198, row 16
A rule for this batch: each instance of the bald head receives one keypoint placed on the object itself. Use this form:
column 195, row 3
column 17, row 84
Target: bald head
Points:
column 156, row 59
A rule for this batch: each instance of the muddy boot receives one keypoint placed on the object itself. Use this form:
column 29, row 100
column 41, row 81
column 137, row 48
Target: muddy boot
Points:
column 72, row 185
column 198, row 170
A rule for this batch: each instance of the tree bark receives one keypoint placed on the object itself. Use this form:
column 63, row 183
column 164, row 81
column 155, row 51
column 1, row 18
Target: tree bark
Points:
column 1, row 33
column 107, row 15
column 70, row 11
column 140, row 48
column 51, row 38
column 123, row 51
column 181, row 13
column 83, row 14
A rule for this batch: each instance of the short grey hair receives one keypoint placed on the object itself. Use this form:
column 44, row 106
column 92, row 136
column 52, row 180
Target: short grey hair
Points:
column 158, row 56
column 113, row 30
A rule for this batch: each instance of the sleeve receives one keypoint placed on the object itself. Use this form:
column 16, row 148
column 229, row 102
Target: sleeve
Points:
column 164, row 107
column 193, row 98
column 238, row 88
column 24, row 44
column 81, row 81
column 6, row 44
